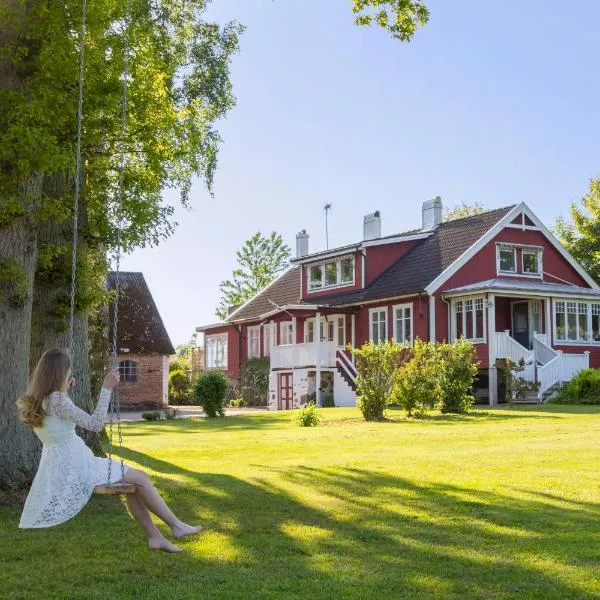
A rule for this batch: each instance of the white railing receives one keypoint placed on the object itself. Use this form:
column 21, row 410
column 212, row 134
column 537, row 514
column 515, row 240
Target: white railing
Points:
column 544, row 353
column 562, row 368
column 303, row 355
column 542, row 337
column 506, row 346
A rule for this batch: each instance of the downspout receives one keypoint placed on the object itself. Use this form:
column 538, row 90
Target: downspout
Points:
column 363, row 254
column 449, row 316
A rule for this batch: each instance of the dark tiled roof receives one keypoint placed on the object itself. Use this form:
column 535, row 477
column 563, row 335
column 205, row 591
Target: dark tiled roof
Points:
column 140, row 328
column 284, row 290
column 415, row 270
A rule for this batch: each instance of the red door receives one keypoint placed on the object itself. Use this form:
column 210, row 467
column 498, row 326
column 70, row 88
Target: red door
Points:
column 285, row 391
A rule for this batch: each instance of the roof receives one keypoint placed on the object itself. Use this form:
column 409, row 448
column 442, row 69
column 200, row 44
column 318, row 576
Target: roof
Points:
column 518, row 285
column 140, row 328
column 283, row 290
column 412, row 272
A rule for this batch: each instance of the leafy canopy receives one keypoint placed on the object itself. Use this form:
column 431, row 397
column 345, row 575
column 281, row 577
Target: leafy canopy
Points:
column 462, row 210
column 260, row 260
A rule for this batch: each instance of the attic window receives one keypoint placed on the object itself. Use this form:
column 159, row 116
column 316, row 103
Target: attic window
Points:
column 332, row 274
column 507, row 259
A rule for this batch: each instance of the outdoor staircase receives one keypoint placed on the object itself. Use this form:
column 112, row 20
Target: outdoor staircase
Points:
column 345, row 367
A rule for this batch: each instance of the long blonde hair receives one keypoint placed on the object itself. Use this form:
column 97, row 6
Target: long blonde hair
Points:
column 49, row 376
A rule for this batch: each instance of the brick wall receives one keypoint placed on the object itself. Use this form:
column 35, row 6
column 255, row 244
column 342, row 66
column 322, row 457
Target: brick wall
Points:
column 150, row 389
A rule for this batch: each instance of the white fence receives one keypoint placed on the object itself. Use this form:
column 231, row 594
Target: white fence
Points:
column 562, row 368
column 303, row 355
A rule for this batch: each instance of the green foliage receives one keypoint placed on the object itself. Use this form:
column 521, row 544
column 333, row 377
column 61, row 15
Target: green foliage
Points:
column 13, row 282
column 457, row 366
column 210, row 390
column 237, row 403
column 152, row 415
column 179, row 386
column 417, row 383
column 254, row 380
column 260, row 260
column 400, row 18
column 584, row 388
column 307, row 416
column 178, row 364
column 582, row 237
column 377, row 365
column 515, row 385
column 462, row 210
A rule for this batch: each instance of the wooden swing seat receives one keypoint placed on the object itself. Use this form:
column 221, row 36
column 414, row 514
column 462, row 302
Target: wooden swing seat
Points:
column 115, row 489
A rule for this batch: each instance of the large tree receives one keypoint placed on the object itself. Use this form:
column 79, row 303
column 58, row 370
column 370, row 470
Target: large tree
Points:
column 179, row 87
column 259, row 260
column 581, row 236
column 462, row 210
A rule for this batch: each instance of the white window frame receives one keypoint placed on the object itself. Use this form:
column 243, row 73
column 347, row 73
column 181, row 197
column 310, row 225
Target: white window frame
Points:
column 308, row 324
column 286, row 327
column 538, row 253
column 223, row 339
column 339, row 283
column 379, row 310
column 268, row 339
column 128, row 370
column 473, row 300
column 592, row 308
column 500, row 248
column 253, row 339
column 333, row 320
column 402, row 307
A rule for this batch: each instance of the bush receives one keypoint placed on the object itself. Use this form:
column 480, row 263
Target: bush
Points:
column 254, row 381
column 417, row 383
column 210, row 391
column 457, row 364
column 237, row 403
column 307, row 416
column 153, row 415
column 170, row 413
column 515, row 385
column 377, row 365
column 179, row 386
column 584, row 388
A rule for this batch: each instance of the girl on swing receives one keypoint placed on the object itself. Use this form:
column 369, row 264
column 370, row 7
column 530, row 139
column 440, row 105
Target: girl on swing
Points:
column 68, row 471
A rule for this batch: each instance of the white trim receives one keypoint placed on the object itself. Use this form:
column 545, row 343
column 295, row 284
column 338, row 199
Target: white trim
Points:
column 499, row 247
column 353, row 334
column 402, row 307
column 256, row 330
column 383, row 309
column 523, row 227
column 539, row 253
column 376, row 301
column 305, row 260
column 363, row 272
column 432, row 318
column 453, row 302
column 517, row 294
column 490, row 305
column 489, row 236
column 588, row 315
column 396, row 239
column 548, row 318
column 339, row 283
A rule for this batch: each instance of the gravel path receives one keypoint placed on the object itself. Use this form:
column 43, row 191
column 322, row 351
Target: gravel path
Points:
column 185, row 412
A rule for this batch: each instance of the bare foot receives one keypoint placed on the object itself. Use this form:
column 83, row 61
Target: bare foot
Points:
column 183, row 530
column 162, row 544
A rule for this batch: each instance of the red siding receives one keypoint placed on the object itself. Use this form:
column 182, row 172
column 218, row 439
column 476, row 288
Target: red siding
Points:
column 379, row 258
column 593, row 350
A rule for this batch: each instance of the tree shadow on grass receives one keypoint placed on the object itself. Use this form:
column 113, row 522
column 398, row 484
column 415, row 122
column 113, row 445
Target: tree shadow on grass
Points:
column 355, row 533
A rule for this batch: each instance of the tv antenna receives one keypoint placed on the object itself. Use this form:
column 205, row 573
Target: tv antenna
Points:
column 327, row 208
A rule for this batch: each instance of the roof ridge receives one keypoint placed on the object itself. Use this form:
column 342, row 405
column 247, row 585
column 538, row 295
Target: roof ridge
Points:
column 508, row 207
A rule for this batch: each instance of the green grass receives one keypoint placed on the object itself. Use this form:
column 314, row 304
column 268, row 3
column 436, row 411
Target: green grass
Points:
column 498, row 504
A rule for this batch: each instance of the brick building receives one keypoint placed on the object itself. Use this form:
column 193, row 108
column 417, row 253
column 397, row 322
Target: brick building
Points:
column 143, row 342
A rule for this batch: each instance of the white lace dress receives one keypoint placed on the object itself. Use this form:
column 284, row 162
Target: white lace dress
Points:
column 68, row 470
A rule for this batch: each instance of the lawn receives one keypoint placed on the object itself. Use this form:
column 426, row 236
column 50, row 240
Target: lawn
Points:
column 498, row 504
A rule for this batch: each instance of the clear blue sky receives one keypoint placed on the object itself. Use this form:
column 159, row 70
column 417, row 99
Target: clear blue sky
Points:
column 492, row 102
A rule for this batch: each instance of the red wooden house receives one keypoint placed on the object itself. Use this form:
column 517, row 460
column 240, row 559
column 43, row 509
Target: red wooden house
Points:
column 499, row 279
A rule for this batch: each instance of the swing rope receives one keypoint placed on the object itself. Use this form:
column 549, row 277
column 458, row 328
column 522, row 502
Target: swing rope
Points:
column 114, row 408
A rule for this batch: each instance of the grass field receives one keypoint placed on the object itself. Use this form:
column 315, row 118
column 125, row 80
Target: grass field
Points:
column 498, row 504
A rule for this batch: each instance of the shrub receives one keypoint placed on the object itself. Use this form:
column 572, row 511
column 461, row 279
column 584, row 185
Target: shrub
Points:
column 237, row 403
column 307, row 416
column 170, row 413
column 210, row 391
column 515, row 385
column 584, row 388
column 457, row 363
column 179, row 386
column 417, row 383
column 377, row 365
column 152, row 415
column 254, row 380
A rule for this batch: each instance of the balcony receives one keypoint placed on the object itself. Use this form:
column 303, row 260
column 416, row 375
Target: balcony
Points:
column 304, row 355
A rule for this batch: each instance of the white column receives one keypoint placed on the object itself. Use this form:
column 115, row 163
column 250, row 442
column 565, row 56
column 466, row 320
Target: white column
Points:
column 432, row 318
column 548, row 320
column 353, row 334
column 294, row 345
column 492, row 371
column 318, row 358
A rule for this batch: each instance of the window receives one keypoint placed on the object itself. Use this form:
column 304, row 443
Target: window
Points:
column 378, row 318
column 403, row 326
column 531, row 261
column 577, row 321
column 341, row 331
column 254, row 342
column 128, row 370
column 309, row 331
column 286, row 333
column 507, row 259
column 216, row 351
column 332, row 274
column 268, row 341
column 469, row 319
column 331, row 329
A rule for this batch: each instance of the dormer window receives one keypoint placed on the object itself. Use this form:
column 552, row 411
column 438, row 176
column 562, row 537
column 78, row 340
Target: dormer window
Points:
column 531, row 261
column 331, row 274
column 507, row 259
